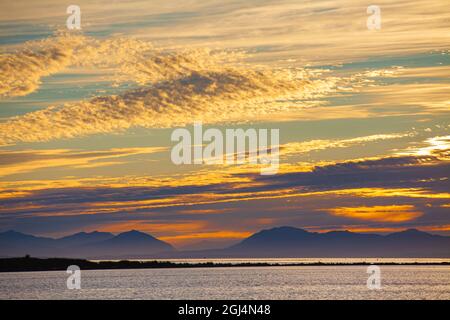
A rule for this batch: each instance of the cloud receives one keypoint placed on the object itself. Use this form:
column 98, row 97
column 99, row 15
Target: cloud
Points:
column 172, row 88
column 409, row 177
column 436, row 146
column 391, row 213
column 14, row 162
column 398, row 191
column 294, row 148
column 319, row 32
column 410, row 98
column 231, row 94
column 316, row 32
column 178, row 87
column 21, row 72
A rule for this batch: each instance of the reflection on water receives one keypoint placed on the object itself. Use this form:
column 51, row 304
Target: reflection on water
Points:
column 301, row 260
column 303, row 282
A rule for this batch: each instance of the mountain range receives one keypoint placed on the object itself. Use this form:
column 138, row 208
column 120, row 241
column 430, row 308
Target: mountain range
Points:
column 280, row 242
column 91, row 245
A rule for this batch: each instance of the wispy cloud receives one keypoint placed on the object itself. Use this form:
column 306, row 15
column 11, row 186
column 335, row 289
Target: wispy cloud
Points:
column 293, row 148
column 391, row 213
column 408, row 177
column 13, row 162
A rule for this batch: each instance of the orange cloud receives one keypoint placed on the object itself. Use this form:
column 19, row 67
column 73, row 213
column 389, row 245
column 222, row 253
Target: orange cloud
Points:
column 205, row 211
column 445, row 227
column 392, row 213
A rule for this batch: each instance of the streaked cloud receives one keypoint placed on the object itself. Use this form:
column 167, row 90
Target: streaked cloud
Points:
column 293, row 148
column 407, row 177
column 13, row 162
column 392, row 213
column 315, row 32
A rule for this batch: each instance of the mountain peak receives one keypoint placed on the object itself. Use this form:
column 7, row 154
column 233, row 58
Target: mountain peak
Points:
column 134, row 243
column 286, row 229
column 339, row 231
column 275, row 236
column 134, row 236
column 134, row 233
column 82, row 233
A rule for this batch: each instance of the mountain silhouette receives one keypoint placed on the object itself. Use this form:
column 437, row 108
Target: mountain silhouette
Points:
column 131, row 244
column 280, row 242
column 13, row 242
column 294, row 242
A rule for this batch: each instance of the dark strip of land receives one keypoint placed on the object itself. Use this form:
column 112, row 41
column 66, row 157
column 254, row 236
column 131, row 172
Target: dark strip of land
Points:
column 49, row 264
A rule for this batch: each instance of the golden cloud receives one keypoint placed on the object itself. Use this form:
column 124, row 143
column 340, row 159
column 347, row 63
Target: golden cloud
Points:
column 13, row 162
column 174, row 88
column 391, row 213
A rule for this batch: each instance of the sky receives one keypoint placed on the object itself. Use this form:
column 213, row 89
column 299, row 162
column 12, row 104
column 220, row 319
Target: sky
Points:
column 86, row 116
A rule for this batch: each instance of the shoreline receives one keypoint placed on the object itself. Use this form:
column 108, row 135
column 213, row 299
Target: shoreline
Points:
column 29, row 264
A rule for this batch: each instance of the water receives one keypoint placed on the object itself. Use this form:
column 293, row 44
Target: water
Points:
column 298, row 260
column 303, row 282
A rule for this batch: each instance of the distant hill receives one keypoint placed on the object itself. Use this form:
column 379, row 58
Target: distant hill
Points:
column 281, row 242
column 131, row 244
column 14, row 243
column 293, row 242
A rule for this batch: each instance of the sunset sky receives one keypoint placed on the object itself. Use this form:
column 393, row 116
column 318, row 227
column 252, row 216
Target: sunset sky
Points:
column 86, row 116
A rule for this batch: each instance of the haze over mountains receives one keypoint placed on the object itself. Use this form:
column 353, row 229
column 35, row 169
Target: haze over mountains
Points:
column 279, row 242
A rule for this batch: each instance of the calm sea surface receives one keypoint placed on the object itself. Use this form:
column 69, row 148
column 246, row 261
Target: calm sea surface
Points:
column 299, row 282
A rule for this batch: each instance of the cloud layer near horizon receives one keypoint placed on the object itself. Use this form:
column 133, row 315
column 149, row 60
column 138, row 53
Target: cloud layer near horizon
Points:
column 413, row 187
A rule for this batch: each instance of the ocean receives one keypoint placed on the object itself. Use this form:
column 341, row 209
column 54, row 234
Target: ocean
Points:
column 283, row 282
